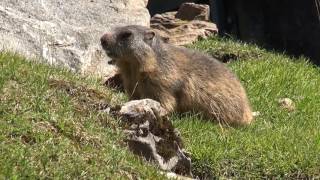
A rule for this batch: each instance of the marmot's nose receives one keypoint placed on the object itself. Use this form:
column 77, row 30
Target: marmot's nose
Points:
column 105, row 39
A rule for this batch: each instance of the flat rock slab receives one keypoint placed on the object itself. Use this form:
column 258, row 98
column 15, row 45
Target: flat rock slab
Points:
column 64, row 32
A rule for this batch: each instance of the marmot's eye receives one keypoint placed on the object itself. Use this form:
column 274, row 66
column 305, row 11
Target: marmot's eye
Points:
column 125, row 35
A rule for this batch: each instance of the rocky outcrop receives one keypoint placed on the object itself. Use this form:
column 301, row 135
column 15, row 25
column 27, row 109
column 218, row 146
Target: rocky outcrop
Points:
column 186, row 26
column 151, row 135
column 66, row 33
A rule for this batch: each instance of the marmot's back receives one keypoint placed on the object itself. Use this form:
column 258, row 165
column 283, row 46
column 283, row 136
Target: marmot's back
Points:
column 210, row 87
column 180, row 79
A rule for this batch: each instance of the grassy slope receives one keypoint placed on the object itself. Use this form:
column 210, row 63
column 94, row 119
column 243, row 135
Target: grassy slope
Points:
column 50, row 124
column 279, row 143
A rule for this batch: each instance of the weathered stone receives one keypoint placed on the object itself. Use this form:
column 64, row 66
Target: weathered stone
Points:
column 150, row 134
column 180, row 32
column 66, row 33
column 192, row 11
column 287, row 104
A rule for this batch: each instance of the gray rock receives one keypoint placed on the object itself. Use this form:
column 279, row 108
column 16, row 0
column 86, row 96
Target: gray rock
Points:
column 151, row 135
column 64, row 32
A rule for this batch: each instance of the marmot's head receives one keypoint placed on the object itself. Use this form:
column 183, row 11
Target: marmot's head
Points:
column 130, row 42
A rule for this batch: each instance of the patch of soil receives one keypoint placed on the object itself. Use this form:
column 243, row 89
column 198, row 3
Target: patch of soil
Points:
column 86, row 99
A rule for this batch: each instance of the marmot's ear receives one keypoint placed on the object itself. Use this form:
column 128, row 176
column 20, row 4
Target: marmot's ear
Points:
column 149, row 35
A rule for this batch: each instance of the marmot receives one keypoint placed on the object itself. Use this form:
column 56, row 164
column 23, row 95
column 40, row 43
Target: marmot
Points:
column 181, row 79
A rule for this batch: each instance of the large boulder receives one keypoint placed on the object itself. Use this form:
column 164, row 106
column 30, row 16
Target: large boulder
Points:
column 66, row 32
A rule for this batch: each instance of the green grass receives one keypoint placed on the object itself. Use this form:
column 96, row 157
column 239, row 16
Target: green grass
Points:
column 51, row 124
column 279, row 144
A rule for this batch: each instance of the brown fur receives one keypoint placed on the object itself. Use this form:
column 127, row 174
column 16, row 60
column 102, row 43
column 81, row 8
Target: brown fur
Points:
column 180, row 79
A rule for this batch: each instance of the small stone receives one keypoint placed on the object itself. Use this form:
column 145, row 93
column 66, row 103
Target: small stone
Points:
column 287, row 104
column 256, row 114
